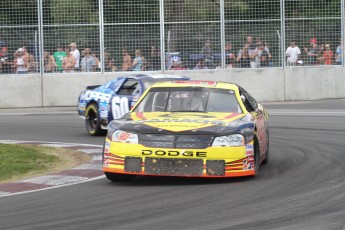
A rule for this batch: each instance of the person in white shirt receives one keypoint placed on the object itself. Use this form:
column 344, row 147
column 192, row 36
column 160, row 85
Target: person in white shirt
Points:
column 76, row 54
column 292, row 53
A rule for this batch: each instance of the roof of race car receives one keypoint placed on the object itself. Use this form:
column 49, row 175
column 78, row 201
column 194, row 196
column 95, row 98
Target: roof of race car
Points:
column 194, row 83
column 155, row 76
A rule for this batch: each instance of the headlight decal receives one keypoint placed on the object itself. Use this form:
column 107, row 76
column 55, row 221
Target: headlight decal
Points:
column 229, row 140
column 123, row 136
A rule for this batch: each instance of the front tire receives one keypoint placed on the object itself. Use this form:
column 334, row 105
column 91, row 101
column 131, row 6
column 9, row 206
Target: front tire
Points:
column 93, row 121
column 117, row 177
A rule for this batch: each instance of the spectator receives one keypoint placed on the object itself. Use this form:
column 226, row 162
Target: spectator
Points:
column 243, row 57
column 138, row 61
column 177, row 65
column 108, row 61
column 88, row 63
column 229, row 56
column 201, row 64
column 32, row 64
column 49, row 62
column 251, row 51
column 76, row 54
column 206, row 50
column 68, row 62
column 327, row 55
column 21, row 62
column 313, row 52
column 265, row 59
column 154, row 59
column 6, row 62
column 58, row 55
column 262, row 55
column 292, row 53
column 339, row 53
column 319, row 56
column 126, row 60
column 97, row 62
column 3, row 49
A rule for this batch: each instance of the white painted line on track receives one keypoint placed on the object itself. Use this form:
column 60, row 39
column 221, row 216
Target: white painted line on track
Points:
column 39, row 113
column 55, row 180
column 90, row 151
column 58, row 186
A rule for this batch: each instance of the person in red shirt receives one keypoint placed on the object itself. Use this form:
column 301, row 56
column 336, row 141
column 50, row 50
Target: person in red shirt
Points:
column 327, row 55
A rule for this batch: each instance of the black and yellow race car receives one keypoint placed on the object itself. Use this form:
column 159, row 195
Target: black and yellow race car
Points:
column 188, row 129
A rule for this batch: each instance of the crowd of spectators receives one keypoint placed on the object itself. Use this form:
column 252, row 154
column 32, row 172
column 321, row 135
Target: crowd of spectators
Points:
column 252, row 54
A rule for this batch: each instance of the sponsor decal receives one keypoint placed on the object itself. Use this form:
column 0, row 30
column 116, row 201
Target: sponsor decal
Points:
column 196, row 82
column 103, row 114
column 249, row 146
column 107, row 147
column 187, row 120
column 148, row 152
column 82, row 106
column 102, row 97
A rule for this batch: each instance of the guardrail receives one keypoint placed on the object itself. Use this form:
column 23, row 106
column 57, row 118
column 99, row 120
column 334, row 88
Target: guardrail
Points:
column 272, row 84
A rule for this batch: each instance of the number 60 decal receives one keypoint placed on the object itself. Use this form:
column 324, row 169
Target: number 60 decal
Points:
column 119, row 106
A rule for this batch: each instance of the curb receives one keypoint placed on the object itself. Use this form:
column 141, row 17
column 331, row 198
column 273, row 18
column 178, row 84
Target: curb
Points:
column 79, row 174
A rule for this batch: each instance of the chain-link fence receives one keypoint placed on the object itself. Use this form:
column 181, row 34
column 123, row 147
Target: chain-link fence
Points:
column 71, row 36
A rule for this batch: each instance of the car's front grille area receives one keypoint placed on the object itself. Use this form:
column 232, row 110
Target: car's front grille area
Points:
column 175, row 141
column 173, row 166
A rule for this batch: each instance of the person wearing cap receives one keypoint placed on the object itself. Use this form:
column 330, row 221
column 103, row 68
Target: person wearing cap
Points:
column 76, row 54
column 313, row 52
column 21, row 62
column 177, row 65
column 58, row 55
column 292, row 53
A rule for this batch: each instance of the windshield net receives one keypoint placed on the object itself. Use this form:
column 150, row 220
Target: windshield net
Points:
column 186, row 99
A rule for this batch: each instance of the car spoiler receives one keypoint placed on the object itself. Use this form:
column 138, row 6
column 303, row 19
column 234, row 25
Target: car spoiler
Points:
column 92, row 87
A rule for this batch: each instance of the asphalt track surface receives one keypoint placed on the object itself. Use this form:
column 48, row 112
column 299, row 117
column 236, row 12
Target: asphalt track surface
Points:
column 302, row 187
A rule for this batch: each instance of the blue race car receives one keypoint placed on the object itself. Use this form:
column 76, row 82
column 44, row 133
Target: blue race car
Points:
column 103, row 103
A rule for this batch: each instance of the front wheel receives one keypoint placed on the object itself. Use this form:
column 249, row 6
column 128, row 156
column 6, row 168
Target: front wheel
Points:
column 93, row 121
column 117, row 177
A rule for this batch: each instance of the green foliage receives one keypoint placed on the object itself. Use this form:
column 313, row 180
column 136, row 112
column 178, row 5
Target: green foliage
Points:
column 17, row 160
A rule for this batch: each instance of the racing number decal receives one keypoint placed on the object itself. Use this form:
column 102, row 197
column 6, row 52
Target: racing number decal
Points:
column 119, row 106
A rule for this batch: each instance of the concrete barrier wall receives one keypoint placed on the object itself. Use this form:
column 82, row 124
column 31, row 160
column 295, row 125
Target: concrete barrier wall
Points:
column 273, row 84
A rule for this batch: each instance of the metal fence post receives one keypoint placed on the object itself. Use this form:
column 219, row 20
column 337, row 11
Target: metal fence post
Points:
column 162, row 35
column 40, row 37
column 282, row 36
column 342, row 23
column 222, row 33
column 101, row 35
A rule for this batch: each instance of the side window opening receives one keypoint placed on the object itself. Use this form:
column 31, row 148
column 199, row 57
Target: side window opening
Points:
column 129, row 87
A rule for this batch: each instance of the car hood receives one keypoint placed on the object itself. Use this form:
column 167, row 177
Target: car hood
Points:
column 182, row 122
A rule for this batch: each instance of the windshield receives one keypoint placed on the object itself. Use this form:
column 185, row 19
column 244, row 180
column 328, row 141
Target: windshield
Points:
column 193, row 99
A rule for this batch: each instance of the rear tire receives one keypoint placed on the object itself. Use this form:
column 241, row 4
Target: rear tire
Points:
column 93, row 121
column 117, row 177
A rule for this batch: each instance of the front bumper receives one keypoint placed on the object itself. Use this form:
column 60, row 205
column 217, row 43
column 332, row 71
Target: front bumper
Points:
column 137, row 159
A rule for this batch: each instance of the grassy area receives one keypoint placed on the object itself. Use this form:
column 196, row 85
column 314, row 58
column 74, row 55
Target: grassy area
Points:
column 23, row 161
